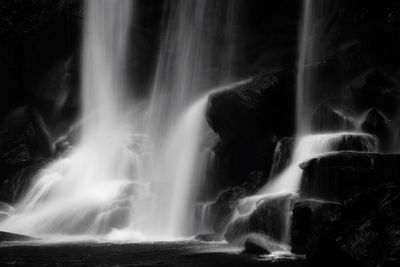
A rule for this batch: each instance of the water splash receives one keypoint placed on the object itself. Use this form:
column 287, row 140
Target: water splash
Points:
column 116, row 184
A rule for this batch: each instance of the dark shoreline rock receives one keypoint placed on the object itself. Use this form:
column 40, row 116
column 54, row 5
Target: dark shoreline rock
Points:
column 10, row 237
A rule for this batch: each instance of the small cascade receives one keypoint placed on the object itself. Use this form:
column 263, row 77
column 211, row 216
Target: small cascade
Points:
column 176, row 181
column 309, row 146
column 284, row 187
column 204, row 217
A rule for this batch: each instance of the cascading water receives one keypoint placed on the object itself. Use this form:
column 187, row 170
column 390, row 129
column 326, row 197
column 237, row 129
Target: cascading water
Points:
column 87, row 192
column 310, row 53
column 175, row 122
column 110, row 183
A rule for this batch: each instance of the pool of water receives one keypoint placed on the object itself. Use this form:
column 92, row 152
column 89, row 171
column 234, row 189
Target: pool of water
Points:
column 183, row 253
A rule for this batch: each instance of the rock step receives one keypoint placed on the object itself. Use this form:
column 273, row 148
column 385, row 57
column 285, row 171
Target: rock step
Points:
column 339, row 176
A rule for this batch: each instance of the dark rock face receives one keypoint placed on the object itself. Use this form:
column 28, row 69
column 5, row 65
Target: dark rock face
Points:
column 269, row 217
column 366, row 231
column 307, row 216
column 378, row 91
column 377, row 124
column 339, row 176
column 248, row 119
column 327, row 118
column 24, row 148
column 255, row 109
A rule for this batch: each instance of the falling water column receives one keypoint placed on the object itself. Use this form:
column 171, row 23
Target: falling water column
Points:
column 86, row 193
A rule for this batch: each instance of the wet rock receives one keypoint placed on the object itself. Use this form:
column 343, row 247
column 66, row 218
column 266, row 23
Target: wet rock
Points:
column 261, row 107
column 282, row 155
column 259, row 244
column 328, row 118
column 364, row 233
column 8, row 237
column 377, row 124
column 210, row 237
column 307, row 217
column 269, row 217
column 339, row 176
column 224, row 208
column 249, row 119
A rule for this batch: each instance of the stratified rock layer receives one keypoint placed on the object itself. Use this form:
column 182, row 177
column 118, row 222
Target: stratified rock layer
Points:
column 339, row 176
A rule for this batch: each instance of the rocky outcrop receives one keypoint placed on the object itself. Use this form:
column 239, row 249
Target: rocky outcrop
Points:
column 364, row 233
column 269, row 217
column 339, row 176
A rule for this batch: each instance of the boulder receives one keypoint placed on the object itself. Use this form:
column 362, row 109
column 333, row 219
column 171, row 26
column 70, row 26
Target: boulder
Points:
column 364, row 233
column 270, row 217
column 339, row 176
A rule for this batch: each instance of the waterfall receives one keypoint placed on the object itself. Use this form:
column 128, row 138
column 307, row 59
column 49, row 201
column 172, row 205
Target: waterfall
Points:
column 303, row 115
column 86, row 193
column 193, row 35
column 310, row 53
column 118, row 183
